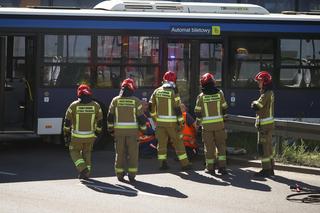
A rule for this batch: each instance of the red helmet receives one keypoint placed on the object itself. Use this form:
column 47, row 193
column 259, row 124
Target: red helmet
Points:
column 206, row 78
column 84, row 89
column 265, row 77
column 170, row 76
column 129, row 83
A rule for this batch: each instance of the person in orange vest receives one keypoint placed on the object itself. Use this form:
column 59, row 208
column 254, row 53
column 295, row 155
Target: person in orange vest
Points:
column 147, row 139
column 82, row 122
column 189, row 133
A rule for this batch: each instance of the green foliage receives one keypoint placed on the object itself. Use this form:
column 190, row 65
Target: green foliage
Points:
column 299, row 153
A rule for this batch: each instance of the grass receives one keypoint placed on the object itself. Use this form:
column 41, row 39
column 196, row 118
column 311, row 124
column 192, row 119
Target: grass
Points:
column 297, row 152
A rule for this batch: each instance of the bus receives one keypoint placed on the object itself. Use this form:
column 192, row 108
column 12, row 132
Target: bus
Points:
column 46, row 52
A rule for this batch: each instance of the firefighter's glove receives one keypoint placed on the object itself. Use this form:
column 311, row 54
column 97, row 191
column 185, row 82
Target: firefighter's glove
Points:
column 254, row 106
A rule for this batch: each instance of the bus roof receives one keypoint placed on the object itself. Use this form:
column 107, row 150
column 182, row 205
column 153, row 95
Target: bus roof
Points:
column 190, row 10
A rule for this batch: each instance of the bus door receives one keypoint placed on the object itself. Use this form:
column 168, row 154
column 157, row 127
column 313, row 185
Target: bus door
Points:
column 190, row 59
column 17, row 65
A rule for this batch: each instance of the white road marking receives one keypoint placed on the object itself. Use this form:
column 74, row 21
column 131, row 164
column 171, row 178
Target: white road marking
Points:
column 123, row 190
column 7, row 173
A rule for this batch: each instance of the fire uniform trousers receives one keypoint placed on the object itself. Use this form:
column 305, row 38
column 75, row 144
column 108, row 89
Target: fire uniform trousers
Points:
column 209, row 112
column 166, row 112
column 265, row 124
column 125, row 116
column 86, row 121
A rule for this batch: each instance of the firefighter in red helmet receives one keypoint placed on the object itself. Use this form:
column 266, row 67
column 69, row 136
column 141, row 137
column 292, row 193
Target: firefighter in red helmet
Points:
column 164, row 105
column 210, row 110
column 264, row 108
column 125, row 117
column 83, row 120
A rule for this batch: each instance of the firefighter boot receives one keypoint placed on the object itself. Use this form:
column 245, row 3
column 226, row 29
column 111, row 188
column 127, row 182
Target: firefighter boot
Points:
column 120, row 177
column 132, row 178
column 186, row 167
column 164, row 165
column 223, row 171
column 264, row 173
column 210, row 171
column 84, row 174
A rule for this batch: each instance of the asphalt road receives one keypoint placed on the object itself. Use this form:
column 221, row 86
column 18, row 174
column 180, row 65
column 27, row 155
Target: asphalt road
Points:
column 42, row 178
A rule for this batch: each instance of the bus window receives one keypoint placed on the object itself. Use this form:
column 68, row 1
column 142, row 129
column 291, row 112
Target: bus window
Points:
column 109, row 49
column 300, row 63
column 248, row 56
column 211, row 60
column 67, row 60
column 108, row 76
column 142, row 63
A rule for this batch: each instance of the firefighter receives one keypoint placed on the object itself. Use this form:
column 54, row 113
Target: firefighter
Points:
column 164, row 106
column 210, row 110
column 264, row 108
column 83, row 121
column 124, row 119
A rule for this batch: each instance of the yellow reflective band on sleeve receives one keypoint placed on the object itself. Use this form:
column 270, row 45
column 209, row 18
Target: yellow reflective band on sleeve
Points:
column 266, row 160
column 162, row 157
column 66, row 128
column 119, row 170
column 140, row 107
column 132, row 169
column 70, row 110
column 89, row 168
column 100, row 110
column 79, row 161
column 258, row 104
column 98, row 129
column 222, row 157
column 266, row 121
column 224, row 105
column 183, row 156
column 198, row 108
column 209, row 161
column 153, row 114
column 177, row 98
column 180, row 118
column 143, row 127
column 110, row 125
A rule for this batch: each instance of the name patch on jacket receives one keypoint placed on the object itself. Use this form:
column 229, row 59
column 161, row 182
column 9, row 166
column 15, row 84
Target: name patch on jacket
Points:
column 85, row 109
column 211, row 98
column 163, row 94
column 126, row 103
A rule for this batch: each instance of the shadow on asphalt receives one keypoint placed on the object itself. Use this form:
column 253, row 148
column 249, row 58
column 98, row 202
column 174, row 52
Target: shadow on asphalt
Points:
column 120, row 189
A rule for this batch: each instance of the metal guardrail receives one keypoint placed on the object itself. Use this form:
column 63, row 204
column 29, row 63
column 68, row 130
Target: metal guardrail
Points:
column 283, row 128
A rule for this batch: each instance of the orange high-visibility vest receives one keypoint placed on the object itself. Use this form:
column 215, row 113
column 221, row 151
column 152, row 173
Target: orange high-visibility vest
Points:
column 189, row 134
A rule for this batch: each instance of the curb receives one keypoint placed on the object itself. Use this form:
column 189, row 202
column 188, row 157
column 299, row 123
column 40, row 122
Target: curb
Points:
column 278, row 166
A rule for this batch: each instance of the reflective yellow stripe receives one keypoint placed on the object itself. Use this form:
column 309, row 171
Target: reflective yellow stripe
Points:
column 126, row 127
column 118, row 170
column 92, row 122
column 183, row 156
column 222, row 157
column 132, row 169
column 83, row 136
column 134, row 115
column 77, row 122
column 153, row 114
column 212, row 121
column 266, row 121
column 79, row 161
column 89, row 167
column 162, row 157
column 70, row 110
column 206, row 109
column 110, row 125
column 177, row 98
column 198, row 108
column 265, row 160
column 100, row 110
column 209, row 161
column 139, row 107
column 224, row 105
column 258, row 104
column 218, row 108
column 143, row 127
column 169, row 107
column 117, row 116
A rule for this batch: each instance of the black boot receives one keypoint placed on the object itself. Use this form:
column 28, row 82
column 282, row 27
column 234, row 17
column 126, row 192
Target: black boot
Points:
column 120, row 177
column 186, row 167
column 84, row 174
column 264, row 173
column 132, row 178
column 210, row 171
column 223, row 171
column 164, row 165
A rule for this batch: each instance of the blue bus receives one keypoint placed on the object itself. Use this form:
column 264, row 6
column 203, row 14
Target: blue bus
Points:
column 46, row 52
